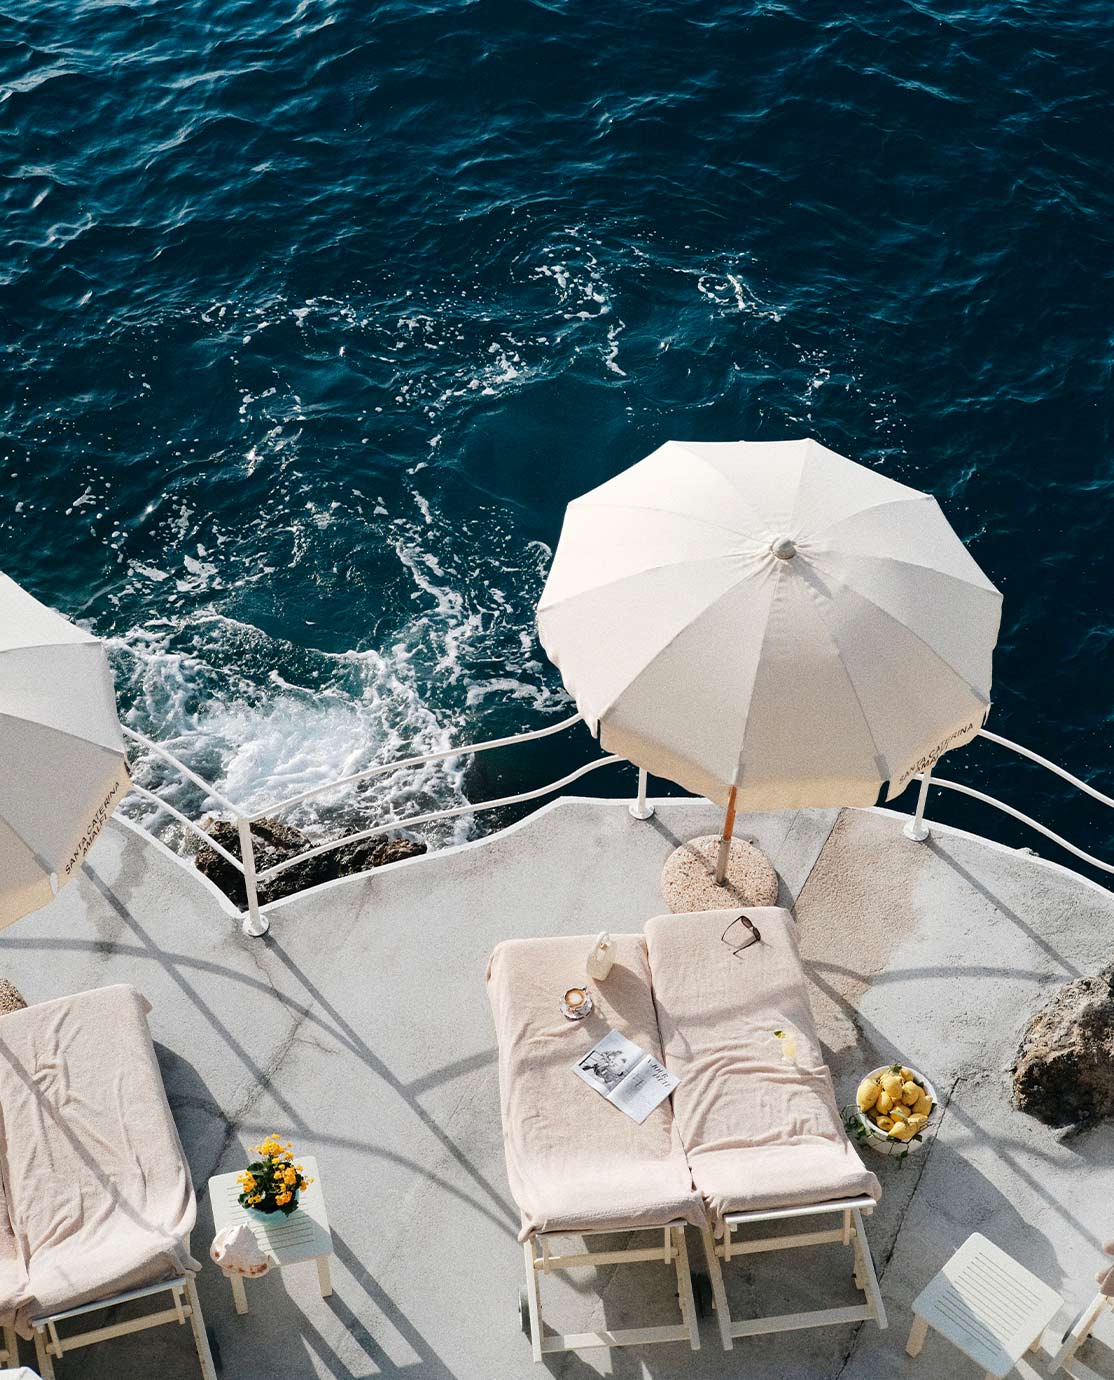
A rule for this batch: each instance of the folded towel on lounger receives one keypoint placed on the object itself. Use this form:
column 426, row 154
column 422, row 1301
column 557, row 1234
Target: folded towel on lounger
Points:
column 96, row 1188
column 573, row 1160
column 760, row 1130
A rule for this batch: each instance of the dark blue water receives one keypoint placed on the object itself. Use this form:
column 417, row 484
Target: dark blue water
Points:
column 315, row 314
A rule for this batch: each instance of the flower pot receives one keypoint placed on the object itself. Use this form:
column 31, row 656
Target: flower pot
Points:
column 270, row 1218
column 879, row 1140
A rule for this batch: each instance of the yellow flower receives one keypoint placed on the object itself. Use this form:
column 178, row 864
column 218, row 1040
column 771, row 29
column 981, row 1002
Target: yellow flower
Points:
column 289, row 1176
column 282, row 1198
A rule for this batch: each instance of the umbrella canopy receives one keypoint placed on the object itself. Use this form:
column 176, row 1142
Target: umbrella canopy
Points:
column 62, row 764
column 769, row 618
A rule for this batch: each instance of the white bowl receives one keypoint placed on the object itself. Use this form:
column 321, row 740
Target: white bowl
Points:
column 881, row 1141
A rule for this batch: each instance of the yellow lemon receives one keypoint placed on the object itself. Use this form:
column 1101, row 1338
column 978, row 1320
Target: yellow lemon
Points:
column 899, row 1112
column 883, row 1102
column 910, row 1093
column 908, row 1076
column 923, row 1106
column 903, row 1130
column 884, row 1123
column 867, row 1094
column 917, row 1122
column 891, row 1083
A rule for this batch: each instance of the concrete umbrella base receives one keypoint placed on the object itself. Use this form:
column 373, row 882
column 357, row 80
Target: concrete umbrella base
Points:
column 687, row 879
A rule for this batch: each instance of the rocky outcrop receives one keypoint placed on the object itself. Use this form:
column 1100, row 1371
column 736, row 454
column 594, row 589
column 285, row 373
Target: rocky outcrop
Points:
column 359, row 857
column 274, row 842
column 1064, row 1073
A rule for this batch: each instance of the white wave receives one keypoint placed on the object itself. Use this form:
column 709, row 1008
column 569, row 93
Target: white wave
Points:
column 263, row 719
column 260, row 745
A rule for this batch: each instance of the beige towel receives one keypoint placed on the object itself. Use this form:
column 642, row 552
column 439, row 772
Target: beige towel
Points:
column 13, row 1276
column 573, row 1160
column 760, row 1130
column 98, row 1192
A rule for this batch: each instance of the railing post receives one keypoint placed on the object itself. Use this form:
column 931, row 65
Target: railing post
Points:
column 917, row 829
column 254, row 924
column 640, row 808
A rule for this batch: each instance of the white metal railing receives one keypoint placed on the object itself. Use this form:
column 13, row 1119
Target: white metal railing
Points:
column 255, row 921
column 470, row 809
column 443, row 755
column 917, row 830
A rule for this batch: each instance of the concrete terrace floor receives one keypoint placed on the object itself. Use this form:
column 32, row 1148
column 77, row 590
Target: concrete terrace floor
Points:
column 359, row 1028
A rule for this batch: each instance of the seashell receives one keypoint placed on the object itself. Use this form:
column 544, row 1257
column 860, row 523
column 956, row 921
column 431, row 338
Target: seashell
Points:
column 237, row 1252
column 601, row 957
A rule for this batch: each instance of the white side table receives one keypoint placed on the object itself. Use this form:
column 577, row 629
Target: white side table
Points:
column 987, row 1305
column 304, row 1235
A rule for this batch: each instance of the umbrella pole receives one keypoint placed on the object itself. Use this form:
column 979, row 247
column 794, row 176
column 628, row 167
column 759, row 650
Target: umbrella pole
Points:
column 725, row 840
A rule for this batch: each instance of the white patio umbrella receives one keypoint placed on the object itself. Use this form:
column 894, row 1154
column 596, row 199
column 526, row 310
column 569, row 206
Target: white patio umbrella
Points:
column 62, row 764
column 769, row 624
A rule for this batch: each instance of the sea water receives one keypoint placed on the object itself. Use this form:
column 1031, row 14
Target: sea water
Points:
column 316, row 314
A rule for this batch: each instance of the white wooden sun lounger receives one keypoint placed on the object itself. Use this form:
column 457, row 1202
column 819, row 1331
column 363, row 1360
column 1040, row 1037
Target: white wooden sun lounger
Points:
column 99, row 1202
column 50, row 1343
column 1065, row 1360
column 755, row 1107
column 576, row 1165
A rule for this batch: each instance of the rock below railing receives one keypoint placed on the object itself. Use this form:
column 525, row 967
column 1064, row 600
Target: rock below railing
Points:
column 1064, row 1074
column 275, row 842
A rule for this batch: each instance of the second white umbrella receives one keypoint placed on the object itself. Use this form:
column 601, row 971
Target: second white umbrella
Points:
column 62, row 764
column 770, row 623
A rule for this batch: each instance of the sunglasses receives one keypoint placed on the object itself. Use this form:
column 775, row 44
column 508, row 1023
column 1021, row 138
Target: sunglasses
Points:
column 748, row 933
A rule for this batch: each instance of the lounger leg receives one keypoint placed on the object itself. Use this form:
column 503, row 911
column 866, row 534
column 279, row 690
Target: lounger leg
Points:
column 866, row 1270
column 684, row 1287
column 917, row 1334
column 1080, row 1331
column 197, row 1322
column 11, row 1347
column 533, row 1301
column 43, row 1358
column 715, row 1274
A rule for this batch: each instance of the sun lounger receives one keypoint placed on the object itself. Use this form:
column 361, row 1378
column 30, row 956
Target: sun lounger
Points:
column 99, row 1199
column 576, row 1164
column 13, row 1280
column 1065, row 1358
column 756, row 1113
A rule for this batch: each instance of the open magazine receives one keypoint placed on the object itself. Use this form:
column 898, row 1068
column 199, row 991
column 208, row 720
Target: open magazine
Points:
column 627, row 1076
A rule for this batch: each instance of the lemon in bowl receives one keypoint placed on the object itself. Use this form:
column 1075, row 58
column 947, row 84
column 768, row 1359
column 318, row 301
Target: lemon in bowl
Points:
column 895, row 1106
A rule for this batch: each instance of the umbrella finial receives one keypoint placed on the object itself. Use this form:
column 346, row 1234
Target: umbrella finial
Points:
column 783, row 548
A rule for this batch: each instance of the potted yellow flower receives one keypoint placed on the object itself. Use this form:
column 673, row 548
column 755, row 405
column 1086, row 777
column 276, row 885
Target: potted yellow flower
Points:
column 272, row 1183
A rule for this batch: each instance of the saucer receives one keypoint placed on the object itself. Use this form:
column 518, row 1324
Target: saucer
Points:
column 576, row 1013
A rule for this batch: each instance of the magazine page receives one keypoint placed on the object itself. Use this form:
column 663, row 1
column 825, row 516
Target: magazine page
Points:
column 608, row 1062
column 626, row 1075
column 647, row 1084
